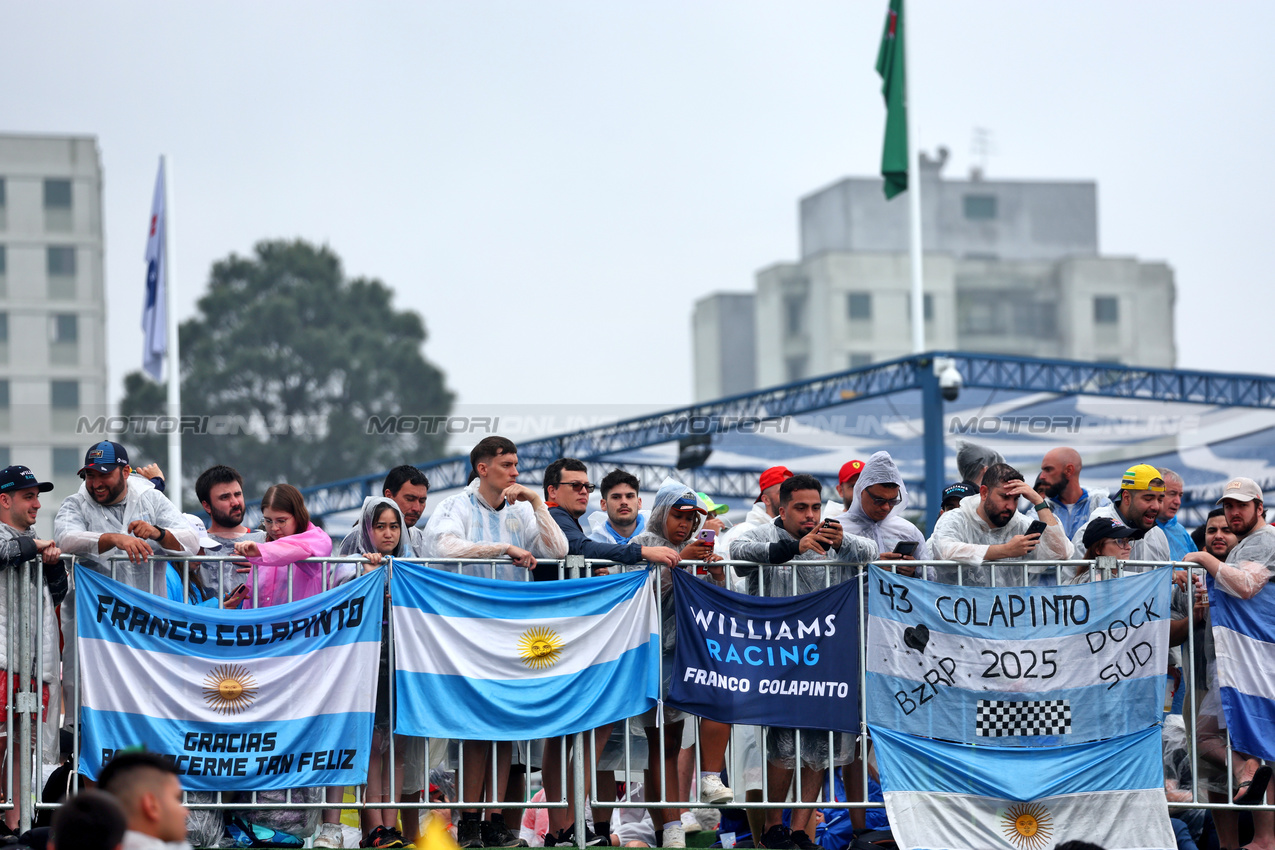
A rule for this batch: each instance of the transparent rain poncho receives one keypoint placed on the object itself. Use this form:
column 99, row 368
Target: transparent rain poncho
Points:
column 667, row 496
column 972, row 459
column 963, row 535
column 359, row 540
column 880, row 469
column 467, row 526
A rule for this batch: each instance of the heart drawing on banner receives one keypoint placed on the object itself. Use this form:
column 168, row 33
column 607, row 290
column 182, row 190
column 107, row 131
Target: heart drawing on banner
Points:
column 917, row 636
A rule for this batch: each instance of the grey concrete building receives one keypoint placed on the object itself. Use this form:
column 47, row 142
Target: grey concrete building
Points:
column 1011, row 267
column 52, row 306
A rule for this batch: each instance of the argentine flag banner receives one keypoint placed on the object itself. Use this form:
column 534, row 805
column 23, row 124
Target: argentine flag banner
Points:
column 948, row 796
column 490, row 660
column 1244, row 635
column 1017, row 666
column 240, row 700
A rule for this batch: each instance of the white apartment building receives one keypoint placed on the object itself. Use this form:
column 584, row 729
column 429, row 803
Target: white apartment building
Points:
column 52, row 306
column 1011, row 267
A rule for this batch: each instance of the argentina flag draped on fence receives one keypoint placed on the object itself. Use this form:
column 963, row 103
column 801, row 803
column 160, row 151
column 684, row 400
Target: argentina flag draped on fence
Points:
column 787, row 661
column 1047, row 701
column 240, row 700
column 490, row 660
column 1244, row 635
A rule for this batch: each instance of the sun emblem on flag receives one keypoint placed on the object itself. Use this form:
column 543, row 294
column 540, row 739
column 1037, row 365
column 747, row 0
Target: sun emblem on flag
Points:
column 229, row 689
column 540, row 647
column 1027, row 826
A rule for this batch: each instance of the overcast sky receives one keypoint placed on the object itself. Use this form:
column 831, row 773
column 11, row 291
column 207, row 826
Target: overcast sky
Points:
column 554, row 183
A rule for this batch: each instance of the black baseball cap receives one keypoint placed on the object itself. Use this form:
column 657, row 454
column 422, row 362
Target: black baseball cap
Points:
column 103, row 457
column 14, row 478
column 958, row 491
column 1103, row 528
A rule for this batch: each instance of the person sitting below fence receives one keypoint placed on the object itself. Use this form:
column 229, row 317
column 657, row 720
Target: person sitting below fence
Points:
column 988, row 528
column 798, row 535
column 1248, row 568
column 150, row 793
column 876, row 512
column 676, row 516
column 279, row 574
column 91, row 820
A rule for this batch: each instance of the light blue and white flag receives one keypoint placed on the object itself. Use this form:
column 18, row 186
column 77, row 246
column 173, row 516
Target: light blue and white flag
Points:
column 489, row 660
column 154, row 315
column 1244, row 635
column 948, row 796
column 1017, row 666
column 278, row 697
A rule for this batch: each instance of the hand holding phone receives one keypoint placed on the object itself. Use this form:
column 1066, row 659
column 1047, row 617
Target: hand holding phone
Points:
column 707, row 536
column 905, row 547
column 1037, row 527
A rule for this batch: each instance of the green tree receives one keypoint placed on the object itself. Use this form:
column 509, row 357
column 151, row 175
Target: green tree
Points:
column 291, row 360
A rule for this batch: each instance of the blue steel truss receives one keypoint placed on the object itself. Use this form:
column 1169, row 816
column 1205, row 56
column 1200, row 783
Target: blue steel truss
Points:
column 989, row 371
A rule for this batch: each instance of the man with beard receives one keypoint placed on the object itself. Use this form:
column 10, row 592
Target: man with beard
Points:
column 988, row 527
column 1248, row 568
column 1060, row 479
column 115, row 516
column 220, row 493
column 1140, row 502
column 115, row 523
column 1215, row 536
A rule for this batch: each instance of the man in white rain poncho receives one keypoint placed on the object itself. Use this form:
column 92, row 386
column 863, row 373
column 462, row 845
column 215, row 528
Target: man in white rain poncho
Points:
column 494, row 517
column 988, row 528
column 676, row 516
column 116, row 515
column 876, row 512
column 798, row 535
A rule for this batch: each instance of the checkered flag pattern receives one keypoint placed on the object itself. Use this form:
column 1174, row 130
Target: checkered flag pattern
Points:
column 997, row 719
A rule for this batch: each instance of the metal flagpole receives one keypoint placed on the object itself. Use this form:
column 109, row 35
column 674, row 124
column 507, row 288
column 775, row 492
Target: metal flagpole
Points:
column 914, row 193
column 174, row 470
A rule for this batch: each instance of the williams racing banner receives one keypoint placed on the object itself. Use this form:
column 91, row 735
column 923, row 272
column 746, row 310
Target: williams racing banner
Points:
column 267, row 698
column 1017, row 666
column 488, row 660
column 788, row 661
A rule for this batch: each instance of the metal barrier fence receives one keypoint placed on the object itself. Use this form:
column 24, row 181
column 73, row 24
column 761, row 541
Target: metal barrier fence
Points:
column 747, row 754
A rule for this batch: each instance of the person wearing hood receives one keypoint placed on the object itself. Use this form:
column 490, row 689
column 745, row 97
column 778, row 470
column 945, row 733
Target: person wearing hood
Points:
column 1139, row 504
column 494, row 518
column 876, row 512
column 765, row 508
column 381, row 534
column 676, row 516
column 988, row 528
column 798, row 535
column 409, row 488
column 291, row 539
column 1060, row 479
column 972, row 460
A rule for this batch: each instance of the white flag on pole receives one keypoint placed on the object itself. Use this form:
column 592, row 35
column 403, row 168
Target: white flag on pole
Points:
column 154, row 320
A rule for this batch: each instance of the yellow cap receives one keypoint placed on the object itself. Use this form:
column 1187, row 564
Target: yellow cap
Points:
column 1142, row 477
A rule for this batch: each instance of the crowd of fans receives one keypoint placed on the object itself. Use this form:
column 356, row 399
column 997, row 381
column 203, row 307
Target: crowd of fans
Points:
column 994, row 529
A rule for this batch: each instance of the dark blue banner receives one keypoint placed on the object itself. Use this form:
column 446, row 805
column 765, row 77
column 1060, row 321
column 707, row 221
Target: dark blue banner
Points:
column 788, row 661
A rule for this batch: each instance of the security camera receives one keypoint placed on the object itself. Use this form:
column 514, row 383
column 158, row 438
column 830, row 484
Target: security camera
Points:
column 950, row 379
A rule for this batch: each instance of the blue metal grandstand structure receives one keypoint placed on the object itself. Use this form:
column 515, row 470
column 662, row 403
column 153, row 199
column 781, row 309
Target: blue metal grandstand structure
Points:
column 1197, row 423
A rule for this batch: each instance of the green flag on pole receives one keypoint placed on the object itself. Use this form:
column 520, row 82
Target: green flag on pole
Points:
column 894, row 155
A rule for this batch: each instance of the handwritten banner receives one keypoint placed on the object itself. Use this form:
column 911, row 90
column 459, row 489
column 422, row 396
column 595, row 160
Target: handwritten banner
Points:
column 1017, row 666
column 239, row 700
column 788, row 661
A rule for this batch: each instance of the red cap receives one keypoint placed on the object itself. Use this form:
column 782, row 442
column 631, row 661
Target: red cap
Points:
column 771, row 477
column 849, row 470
